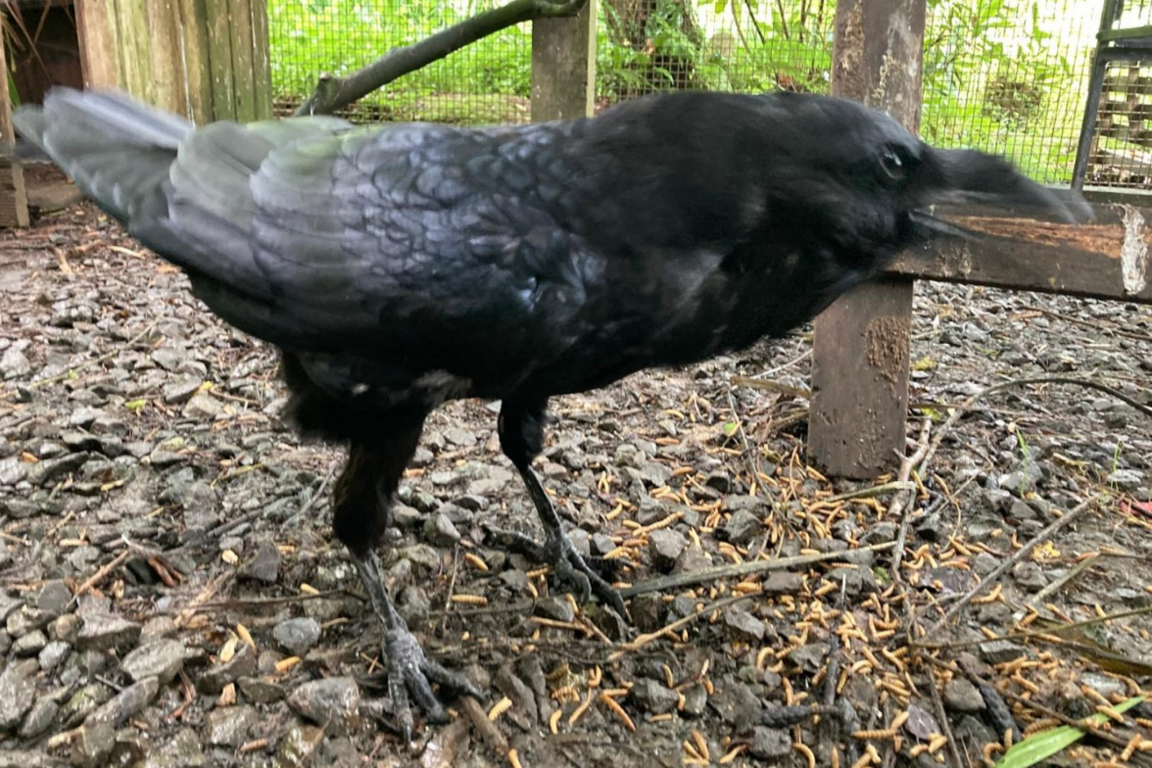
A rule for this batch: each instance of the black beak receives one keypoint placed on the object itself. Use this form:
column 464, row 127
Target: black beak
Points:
column 971, row 178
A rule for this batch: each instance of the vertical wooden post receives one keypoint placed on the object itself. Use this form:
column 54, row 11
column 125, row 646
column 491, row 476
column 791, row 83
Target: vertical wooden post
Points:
column 861, row 345
column 564, row 66
column 98, row 36
column 13, row 197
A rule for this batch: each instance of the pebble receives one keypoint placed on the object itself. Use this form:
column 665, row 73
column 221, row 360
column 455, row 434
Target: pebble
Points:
column 556, row 608
column 783, row 583
column 39, row 718
column 770, row 743
column 439, row 530
column 1001, row 651
column 961, row 695
column 30, row 644
column 243, row 664
column 742, row 527
column 162, row 658
column 230, row 726
column 260, row 690
column 52, row 654
column 264, row 565
column 17, row 692
column 54, row 597
column 297, row 746
column 743, row 626
column 652, row 697
column 101, row 631
column 126, row 703
column 92, row 745
column 665, row 546
column 331, row 702
column 180, row 750
column 297, row 636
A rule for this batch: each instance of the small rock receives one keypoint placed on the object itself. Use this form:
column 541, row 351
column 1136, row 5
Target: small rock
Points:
column 1023, row 479
column 1126, row 479
column 297, row 636
column 229, row 726
column 181, row 390
column 653, row 697
column 52, row 654
column 156, row 628
column 92, row 745
column 742, row 527
column 921, row 723
column 30, row 644
column 202, row 407
column 50, row 470
column 611, row 623
column 260, row 690
column 721, row 481
column 695, row 701
column 66, row 628
column 440, row 531
column 264, row 565
column 12, row 470
column 961, row 695
column 161, row 658
column 1106, row 686
column 39, row 718
column 1001, row 651
column 810, row 657
column 404, row 516
column 770, row 743
column 101, row 631
column 83, row 703
column 1030, row 576
column 736, row 705
column 331, row 702
column 984, row 563
column 125, row 704
column 243, row 664
column 17, row 692
column 665, row 546
column 180, row 750
column 693, row 558
column 297, row 746
column 556, row 608
column 783, row 583
column 26, row 620
column 743, row 626
column 54, row 597
column 647, row 612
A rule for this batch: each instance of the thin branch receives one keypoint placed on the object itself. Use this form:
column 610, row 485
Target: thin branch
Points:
column 332, row 92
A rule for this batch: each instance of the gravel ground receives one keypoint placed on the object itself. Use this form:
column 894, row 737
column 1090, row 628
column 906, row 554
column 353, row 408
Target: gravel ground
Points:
column 171, row 595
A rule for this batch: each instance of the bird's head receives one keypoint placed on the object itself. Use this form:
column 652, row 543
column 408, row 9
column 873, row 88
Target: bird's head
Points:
column 872, row 187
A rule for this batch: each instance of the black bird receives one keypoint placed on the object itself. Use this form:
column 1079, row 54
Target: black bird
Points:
column 401, row 266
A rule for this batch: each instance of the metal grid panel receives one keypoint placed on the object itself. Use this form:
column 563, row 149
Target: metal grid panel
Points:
column 487, row 82
column 1008, row 76
column 1121, row 154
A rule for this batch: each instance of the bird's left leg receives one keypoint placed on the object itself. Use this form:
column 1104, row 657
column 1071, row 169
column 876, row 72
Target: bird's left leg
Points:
column 362, row 497
column 521, row 429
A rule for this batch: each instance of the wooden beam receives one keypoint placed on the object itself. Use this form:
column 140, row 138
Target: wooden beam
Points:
column 197, row 70
column 244, row 84
column 261, row 60
column 861, row 343
column 13, row 197
column 1111, row 258
column 220, row 60
column 98, row 37
column 564, row 66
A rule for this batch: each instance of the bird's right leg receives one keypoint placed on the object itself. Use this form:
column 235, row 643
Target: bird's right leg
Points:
column 362, row 497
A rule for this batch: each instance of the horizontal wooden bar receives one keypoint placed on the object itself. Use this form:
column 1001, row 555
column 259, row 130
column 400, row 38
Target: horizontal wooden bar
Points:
column 1109, row 258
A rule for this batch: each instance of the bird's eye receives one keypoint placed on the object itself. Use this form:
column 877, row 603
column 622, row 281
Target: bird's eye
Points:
column 893, row 166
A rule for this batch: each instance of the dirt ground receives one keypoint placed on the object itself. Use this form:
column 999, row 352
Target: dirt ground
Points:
column 171, row 595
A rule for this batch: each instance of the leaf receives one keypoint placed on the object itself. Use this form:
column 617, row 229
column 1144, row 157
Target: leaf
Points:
column 924, row 364
column 135, row 405
column 1041, row 746
column 730, row 428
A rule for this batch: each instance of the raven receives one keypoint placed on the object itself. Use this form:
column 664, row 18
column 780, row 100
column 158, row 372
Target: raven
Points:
column 401, row 266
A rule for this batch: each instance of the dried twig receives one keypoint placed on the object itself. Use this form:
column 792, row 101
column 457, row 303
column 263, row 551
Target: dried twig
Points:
column 95, row 361
column 743, row 569
column 1016, row 557
column 902, row 502
column 488, row 731
column 101, row 574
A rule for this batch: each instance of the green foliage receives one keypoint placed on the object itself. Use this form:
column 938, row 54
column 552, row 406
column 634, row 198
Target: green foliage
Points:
column 995, row 77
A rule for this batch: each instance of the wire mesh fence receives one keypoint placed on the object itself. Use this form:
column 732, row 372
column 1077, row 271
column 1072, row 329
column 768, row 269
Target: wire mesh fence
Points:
column 1009, row 76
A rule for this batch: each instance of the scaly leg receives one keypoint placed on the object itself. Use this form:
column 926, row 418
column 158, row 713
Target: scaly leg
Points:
column 362, row 497
column 521, row 429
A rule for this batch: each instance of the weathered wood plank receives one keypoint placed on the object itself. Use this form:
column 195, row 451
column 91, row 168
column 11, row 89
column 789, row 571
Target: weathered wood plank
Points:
column 261, row 60
column 1111, row 258
column 136, row 73
column 98, row 37
column 220, row 59
column 193, row 19
column 164, row 45
column 13, row 197
column 243, row 82
column 861, row 344
column 564, row 66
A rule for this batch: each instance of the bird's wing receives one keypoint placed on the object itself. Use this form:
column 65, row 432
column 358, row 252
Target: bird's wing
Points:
column 407, row 241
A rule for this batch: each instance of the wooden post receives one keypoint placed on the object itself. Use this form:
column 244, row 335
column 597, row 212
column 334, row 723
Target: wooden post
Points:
column 564, row 66
column 13, row 197
column 861, row 344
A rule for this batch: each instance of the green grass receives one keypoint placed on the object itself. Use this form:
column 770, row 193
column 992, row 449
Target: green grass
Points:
column 490, row 80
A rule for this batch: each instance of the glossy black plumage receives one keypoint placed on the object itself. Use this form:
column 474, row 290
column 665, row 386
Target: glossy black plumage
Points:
column 400, row 266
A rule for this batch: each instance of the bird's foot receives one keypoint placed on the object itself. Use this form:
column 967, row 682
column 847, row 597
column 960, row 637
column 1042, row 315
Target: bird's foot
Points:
column 411, row 673
column 568, row 565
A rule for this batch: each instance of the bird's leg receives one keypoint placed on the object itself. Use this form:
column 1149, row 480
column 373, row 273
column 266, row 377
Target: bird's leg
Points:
column 409, row 670
column 521, row 429
column 362, row 497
